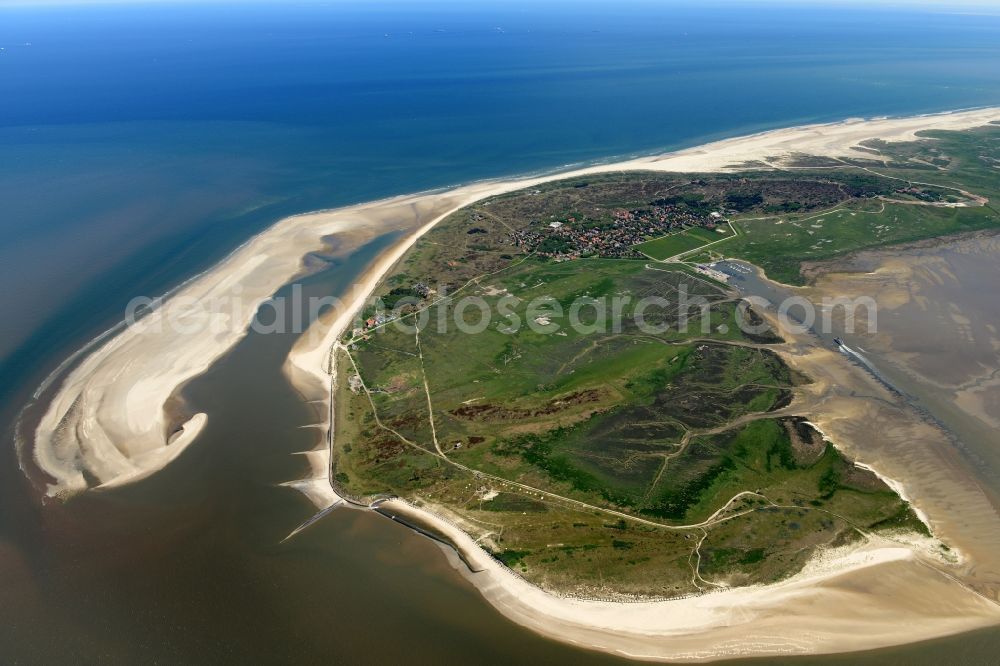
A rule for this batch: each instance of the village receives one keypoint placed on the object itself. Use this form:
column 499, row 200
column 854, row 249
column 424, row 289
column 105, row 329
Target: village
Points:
column 571, row 238
column 565, row 240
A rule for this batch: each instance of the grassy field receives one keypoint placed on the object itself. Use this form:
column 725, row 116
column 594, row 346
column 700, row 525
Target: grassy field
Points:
column 683, row 242
column 674, row 244
column 603, row 457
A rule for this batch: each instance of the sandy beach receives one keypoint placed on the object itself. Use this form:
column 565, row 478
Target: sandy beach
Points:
column 115, row 418
column 855, row 598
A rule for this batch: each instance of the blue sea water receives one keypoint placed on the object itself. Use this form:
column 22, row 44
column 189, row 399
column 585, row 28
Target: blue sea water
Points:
column 140, row 142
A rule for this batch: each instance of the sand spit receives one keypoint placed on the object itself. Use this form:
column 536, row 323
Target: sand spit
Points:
column 110, row 423
column 112, row 419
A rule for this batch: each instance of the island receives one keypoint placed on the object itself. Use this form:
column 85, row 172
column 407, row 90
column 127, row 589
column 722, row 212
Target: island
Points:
column 562, row 379
column 643, row 448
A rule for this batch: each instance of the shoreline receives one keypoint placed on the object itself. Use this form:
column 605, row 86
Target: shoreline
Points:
column 904, row 605
column 886, row 590
column 108, row 419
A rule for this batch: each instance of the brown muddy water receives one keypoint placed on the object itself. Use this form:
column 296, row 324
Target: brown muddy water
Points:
column 188, row 565
column 938, row 334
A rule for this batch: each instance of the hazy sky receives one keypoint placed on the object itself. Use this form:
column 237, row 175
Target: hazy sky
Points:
column 949, row 4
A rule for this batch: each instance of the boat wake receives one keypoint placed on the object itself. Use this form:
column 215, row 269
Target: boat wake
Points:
column 863, row 361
